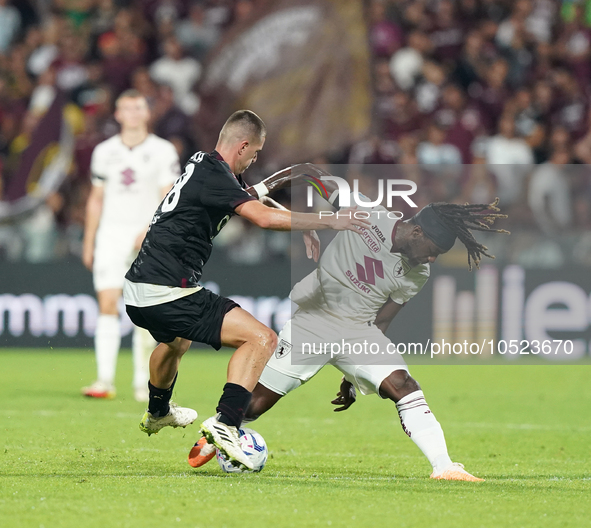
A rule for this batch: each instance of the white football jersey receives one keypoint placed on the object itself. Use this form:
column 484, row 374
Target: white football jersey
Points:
column 133, row 179
column 357, row 273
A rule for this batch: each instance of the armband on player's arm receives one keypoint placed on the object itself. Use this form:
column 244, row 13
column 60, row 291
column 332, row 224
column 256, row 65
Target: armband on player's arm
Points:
column 295, row 175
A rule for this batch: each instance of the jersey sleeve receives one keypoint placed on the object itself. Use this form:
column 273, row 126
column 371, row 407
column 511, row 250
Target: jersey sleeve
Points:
column 223, row 191
column 170, row 167
column 98, row 173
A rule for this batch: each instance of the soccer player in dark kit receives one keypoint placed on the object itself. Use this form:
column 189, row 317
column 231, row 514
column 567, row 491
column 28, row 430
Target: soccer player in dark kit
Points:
column 162, row 291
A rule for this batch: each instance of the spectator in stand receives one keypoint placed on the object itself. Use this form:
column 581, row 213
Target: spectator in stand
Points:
column 505, row 150
column 384, row 88
column 428, row 90
column 549, row 194
column 472, row 62
column 543, row 102
column 385, row 37
column 542, row 63
column 403, row 118
column 408, row 143
column 69, row 64
column 479, row 184
column 492, row 94
column 559, row 138
column 10, row 23
column 195, row 34
column 462, row 119
column 407, row 63
column 123, row 49
column 143, row 83
column 180, row 72
column 519, row 58
column 104, row 16
column 573, row 104
column 170, row 122
column 435, row 151
column 446, row 33
column 517, row 22
column 526, row 124
column 374, row 150
column 574, row 46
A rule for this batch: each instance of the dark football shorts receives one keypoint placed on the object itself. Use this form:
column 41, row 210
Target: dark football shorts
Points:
column 197, row 317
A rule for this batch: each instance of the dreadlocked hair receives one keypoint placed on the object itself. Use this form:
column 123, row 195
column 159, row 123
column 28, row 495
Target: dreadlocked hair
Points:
column 463, row 218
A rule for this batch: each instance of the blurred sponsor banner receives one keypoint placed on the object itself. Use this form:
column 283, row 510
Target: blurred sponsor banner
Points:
column 42, row 165
column 53, row 305
column 302, row 65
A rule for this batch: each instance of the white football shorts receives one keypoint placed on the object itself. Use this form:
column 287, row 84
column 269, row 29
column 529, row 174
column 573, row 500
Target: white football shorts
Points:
column 113, row 254
column 365, row 371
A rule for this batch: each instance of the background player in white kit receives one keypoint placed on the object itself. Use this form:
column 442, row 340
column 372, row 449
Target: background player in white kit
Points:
column 361, row 283
column 131, row 173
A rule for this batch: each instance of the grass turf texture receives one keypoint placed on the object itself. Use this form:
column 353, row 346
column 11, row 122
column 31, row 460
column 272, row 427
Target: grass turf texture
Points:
column 66, row 461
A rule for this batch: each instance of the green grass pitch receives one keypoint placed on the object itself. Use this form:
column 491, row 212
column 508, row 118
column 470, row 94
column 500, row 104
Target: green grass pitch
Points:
column 66, row 461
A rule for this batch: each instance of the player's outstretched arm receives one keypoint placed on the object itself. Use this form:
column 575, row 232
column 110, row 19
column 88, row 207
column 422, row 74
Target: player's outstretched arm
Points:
column 279, row 220
column 94, row 208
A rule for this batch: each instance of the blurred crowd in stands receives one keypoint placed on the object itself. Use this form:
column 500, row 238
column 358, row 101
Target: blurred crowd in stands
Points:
column 500, row 86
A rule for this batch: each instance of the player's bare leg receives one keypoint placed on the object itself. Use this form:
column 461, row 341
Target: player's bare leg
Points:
column 106, row 344
column 254, row 344
column 161, row 412
column 142, row 345
column 420, row 425
column 164, row 362
column 262, row 400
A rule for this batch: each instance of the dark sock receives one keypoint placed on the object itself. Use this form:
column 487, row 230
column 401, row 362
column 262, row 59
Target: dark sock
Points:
column 233, row 404
column 159, row 399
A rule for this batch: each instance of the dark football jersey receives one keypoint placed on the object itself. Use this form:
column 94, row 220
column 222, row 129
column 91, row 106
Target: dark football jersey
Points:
column 180, row 237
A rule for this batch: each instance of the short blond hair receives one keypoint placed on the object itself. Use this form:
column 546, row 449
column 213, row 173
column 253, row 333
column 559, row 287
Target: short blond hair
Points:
column 129, row 94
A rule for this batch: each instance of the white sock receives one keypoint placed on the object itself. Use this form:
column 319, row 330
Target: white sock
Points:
column 424, row 430
column 107, row 341
column 142, row 346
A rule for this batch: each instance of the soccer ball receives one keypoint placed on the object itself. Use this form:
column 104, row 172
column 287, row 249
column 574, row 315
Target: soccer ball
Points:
column 253, row 444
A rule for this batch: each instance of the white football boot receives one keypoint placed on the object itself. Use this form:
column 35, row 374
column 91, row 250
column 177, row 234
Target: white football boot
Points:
column 176, row 417
column 455, row 471
column 227, row 439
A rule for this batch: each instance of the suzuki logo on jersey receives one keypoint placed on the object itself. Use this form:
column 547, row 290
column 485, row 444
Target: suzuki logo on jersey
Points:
column 391, row 188
column 372, row 268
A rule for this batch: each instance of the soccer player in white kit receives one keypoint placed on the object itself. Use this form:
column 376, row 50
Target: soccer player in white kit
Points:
column 361, row 283
column 131, row 173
